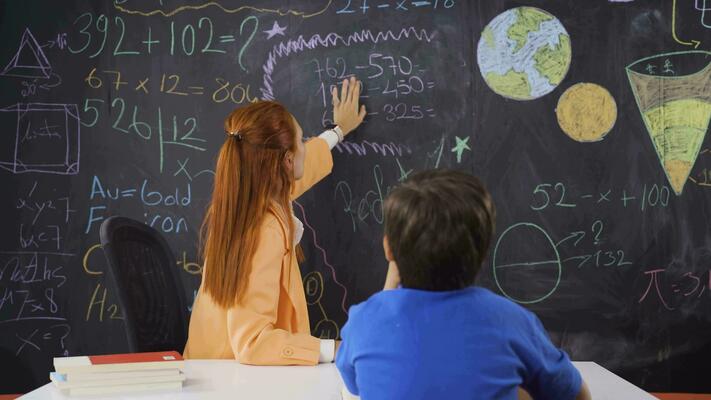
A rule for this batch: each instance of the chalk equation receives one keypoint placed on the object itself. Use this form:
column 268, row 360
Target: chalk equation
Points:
column 368, row 6
column 161, row 129
column 560, row 195
column 220, row 90
column 673, row 290
column 94, row 35
column 179, row 200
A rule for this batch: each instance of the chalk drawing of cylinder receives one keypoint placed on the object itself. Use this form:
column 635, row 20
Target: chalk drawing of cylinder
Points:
column 40, row 137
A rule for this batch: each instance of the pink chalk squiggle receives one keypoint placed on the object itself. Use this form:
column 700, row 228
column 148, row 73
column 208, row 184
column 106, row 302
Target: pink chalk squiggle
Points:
column 325, row 257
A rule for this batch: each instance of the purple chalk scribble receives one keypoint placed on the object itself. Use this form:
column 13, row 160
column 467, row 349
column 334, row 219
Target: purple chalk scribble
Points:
column 45, row 140
column 284, row 49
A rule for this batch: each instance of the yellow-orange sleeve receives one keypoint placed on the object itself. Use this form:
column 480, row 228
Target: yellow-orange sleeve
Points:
column 318, row 163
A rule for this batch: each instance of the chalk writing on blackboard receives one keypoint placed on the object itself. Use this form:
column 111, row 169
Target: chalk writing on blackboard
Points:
column 93, row 33
column 54, row 128
column 313, row 288
column 645, row 197
column 673, row 93
column 93, row 265
column 673, row 291
column 184, row 169
column 174, row 203
column 152, row 126
column 533, row 275
column 332, row 269
column 704, row 6
column 301, row 44
column 362, row 6
column 366, row 206
column 34, row 275
column 39, row 337
column 221, row 90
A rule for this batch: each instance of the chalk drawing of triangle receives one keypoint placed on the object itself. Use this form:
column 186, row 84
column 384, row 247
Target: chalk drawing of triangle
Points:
column 29, row 61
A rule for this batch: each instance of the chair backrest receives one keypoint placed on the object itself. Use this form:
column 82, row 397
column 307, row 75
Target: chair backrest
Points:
column 147, row 282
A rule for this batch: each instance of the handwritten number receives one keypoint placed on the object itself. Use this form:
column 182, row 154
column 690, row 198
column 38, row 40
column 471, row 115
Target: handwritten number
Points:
column 175, row 84
column 93, row 109
column 113, row 309
column 541, row 189
column 346, row 10
column 103, row 29
column 207, row 48
column 120, row 114
column 83, row 32
column 119, row 22
column 560, row 202
column 188, row 136
column 192, row 40
column 376, row 65
column 622, row 261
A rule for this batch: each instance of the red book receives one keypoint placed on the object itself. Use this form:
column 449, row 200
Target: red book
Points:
column 120, row 362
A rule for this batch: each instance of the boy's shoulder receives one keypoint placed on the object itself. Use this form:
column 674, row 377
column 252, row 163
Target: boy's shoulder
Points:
column 481, row 299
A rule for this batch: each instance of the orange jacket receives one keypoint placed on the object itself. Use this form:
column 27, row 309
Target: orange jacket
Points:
column 271, row 324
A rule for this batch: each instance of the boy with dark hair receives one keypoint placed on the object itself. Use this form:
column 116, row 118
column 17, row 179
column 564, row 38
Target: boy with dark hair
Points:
column 436, row 336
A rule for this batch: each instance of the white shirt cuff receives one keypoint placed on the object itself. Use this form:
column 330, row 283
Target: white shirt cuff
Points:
column 330, row 137
column 328, row 350
column 346, row 394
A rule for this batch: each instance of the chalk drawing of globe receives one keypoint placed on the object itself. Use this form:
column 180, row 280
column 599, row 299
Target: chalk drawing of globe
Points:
column 524, row 53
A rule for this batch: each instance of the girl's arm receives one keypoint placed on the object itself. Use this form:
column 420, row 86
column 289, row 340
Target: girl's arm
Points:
column 347, row 115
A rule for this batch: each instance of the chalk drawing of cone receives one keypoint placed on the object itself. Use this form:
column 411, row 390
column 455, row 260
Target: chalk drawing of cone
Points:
column 673, row 93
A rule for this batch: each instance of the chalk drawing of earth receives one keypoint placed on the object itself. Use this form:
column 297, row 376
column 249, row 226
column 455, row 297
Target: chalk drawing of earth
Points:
column 524, row 53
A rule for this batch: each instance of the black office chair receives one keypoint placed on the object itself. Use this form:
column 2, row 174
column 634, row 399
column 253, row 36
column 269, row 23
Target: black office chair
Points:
column 145, row 277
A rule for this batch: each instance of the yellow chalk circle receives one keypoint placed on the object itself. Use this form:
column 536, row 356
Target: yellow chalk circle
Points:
column 586, row 112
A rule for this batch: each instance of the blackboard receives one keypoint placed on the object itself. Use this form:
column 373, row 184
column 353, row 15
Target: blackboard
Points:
column 116, row 108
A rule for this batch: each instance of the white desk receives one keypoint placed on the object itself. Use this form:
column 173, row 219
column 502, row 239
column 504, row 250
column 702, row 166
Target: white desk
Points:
column 218, row 379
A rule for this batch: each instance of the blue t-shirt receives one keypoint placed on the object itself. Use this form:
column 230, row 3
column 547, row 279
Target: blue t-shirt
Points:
column 464, row 344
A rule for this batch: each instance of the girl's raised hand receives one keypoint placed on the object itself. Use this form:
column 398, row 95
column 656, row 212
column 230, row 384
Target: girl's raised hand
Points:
column 346, row 113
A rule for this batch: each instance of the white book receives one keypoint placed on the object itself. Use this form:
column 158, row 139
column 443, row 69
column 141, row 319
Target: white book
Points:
column 91, row 376
column 120, row 362
column 59, row 381
column 120, row 389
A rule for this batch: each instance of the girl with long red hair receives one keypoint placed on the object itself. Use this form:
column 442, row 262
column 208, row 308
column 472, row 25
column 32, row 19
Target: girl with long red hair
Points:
column 251, row 304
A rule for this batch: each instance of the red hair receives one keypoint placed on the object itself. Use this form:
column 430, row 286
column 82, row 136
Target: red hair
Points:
column 250, row 172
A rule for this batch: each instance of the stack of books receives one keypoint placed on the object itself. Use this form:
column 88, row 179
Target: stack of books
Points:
column 118, row 373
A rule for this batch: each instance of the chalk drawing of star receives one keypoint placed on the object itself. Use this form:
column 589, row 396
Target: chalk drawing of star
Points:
column 276, row 30
column 460, row 147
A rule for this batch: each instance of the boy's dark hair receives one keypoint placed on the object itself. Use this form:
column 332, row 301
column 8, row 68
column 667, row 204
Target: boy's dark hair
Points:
column 439, row 225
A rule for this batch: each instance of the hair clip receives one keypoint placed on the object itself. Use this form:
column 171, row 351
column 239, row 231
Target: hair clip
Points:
column 235, row 135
